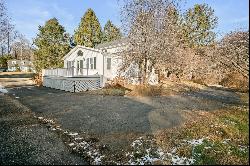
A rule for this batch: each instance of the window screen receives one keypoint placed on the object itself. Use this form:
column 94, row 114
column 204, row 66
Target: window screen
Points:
column 91, row 63
column 94, row 62
column 87, row 63
column 81, row 64
column 108, row 63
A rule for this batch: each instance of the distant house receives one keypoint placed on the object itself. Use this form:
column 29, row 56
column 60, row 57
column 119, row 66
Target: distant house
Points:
column 23, row 65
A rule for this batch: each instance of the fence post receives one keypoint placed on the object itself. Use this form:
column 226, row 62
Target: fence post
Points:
column 74, row 85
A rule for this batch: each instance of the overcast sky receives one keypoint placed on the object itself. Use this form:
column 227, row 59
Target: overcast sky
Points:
column 28, row 14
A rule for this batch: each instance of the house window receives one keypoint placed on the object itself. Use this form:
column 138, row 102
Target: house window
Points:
column 108, row 63
column 87, row 63
column 94, row 62
column 69, row 64
column 91, row 63
column 81, row 64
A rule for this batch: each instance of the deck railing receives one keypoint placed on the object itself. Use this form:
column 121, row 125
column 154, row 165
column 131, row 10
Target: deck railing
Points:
column 66, row 72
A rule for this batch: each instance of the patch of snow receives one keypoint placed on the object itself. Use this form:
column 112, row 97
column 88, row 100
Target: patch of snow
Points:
column 73, row 134
column 148, row 156
column 97, row 160
column 196, row 142
column 177, row 160
column 136, row 142
column 174, row 150
column 17, row 97
column 48, row 121
column 3, row 90
column 243, row 148
column 78, row 138
column 71, row 144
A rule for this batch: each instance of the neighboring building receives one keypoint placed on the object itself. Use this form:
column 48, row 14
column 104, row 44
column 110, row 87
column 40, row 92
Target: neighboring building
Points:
column 24, row 65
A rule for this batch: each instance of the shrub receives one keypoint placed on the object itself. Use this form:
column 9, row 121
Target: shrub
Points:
column 17, row 68
column 37, row 78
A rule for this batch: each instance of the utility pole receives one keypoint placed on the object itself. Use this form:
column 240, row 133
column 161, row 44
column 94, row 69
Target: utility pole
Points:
column 2, row 50
column 8, row 51
column 21, row 51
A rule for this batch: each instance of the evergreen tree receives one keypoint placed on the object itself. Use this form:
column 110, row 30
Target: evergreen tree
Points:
column 110, row 32
column 89, row 31
column 198, row 24
column 52, row 44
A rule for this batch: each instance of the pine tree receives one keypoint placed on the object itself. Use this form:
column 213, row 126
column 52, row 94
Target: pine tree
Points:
column 52, row 44
column 89, row 31
column 110, row 32
column 199, row 23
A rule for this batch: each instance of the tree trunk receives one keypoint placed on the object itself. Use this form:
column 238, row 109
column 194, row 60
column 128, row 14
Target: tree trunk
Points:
column 145, row 78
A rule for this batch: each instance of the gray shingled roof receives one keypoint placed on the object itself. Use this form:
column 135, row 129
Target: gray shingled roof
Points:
column 112, row 43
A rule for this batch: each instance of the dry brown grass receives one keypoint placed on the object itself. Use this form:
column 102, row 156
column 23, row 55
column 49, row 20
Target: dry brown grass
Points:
column 37, row 78
column 165, row 88
column 236, row 81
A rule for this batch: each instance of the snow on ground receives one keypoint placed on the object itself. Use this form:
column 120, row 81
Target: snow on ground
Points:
column 143, row 153
column 76, row 143
column 73, row 134
column 180, row 160
column 44, row 120
column 195, row 142
column 3, row 90
column 144, row 150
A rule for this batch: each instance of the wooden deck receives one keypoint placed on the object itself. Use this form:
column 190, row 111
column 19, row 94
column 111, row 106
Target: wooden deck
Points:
column 72, row 84
column 71, row 79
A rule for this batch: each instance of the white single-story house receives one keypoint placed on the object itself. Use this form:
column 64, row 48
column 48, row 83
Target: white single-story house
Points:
column 103, row 61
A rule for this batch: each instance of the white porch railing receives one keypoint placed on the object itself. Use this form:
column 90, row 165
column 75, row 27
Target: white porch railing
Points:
column 62, row 72
column 65, row 72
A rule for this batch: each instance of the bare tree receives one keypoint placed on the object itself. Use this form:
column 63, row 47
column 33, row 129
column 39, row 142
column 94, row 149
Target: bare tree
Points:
column 232, row 53
column 152, row 27
column 21, row 48
column 7, row 33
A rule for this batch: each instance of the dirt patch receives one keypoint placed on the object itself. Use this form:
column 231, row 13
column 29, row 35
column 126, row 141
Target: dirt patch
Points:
column 16, row 79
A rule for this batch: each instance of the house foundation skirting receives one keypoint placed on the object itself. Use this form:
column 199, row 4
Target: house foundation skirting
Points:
column 72, row 84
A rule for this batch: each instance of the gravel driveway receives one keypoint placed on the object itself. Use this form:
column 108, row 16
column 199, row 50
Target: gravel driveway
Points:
column 24, row 141
column 113, row 120
column 97, row 114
